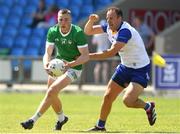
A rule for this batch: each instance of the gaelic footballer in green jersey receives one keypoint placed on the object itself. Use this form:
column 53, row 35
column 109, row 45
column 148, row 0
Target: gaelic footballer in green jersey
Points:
column 72, row 47
column 67, row 44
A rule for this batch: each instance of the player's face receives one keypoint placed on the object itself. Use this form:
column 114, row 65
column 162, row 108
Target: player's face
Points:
column 64, row 21
column 113, row 20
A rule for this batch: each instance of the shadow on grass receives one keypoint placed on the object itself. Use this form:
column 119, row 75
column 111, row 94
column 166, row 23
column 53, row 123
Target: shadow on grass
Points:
column 124, row 132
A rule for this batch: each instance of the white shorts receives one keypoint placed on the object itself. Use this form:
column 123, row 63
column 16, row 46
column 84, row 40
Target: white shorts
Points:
column 73, row 74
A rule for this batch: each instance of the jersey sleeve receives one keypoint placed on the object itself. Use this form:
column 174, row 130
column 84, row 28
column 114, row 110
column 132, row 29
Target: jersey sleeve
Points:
column 124, row 35
column 50, row 37
column 80, row 39
column 104, row 27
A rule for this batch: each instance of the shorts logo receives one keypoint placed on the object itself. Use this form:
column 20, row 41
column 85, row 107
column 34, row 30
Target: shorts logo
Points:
column 73, row 74
column 147, row 76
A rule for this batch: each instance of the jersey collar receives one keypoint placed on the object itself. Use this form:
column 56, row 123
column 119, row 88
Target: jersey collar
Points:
column 117, row 29
column 66, row 33
column 120, row 26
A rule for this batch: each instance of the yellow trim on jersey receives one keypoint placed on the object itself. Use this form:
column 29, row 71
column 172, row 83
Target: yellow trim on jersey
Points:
column 114, row 32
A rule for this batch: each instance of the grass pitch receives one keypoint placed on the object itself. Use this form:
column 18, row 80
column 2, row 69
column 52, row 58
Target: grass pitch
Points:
column 83, row 110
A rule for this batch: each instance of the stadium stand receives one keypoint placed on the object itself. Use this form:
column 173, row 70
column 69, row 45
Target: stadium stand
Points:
column 4, row 10
column 16, row 52
column 20, row 42
column 19, row 39
column 33, row 52
column 6, row 42
column 50, row 2
column 62, row 3
column 24, row 31
column 17, row 11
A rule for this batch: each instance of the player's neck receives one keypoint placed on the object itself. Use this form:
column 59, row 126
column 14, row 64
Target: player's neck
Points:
column 115, row 29
column 65, row 31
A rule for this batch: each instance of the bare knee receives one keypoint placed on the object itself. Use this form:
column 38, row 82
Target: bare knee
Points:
column 51, row 93
column 108, row 98
column 127, row 101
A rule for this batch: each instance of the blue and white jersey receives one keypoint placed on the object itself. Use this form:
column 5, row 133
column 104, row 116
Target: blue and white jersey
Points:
column 133, row 54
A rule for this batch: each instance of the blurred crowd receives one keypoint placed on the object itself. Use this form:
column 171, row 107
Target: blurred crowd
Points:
column 44, row 16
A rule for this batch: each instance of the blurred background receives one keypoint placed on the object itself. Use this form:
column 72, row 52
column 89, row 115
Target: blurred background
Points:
column 24, row 25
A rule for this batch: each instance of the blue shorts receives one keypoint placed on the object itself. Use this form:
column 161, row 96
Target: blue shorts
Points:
column 124, row 75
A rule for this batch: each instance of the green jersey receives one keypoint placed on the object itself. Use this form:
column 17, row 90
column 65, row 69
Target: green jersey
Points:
column 67, row 44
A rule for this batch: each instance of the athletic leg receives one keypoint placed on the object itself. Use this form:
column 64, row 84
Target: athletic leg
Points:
column 50, row 98
column 113, row 90
column 52, row 92
column 56, row 105
column 131, row 96
column 131, row 99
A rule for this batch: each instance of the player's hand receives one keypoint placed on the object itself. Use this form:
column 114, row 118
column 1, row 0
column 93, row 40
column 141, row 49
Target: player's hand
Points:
column 66, row 66
column 47, row 69
column 94, row 17
column 49, row 72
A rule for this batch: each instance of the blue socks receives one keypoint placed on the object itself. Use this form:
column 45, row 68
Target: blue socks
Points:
column 101, row 123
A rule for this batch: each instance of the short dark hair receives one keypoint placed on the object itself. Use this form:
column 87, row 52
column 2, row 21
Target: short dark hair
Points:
column 117, row 10
column 64, row 11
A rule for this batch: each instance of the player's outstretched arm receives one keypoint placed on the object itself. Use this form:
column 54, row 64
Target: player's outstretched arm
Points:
column 107, row 53
column 83, row 58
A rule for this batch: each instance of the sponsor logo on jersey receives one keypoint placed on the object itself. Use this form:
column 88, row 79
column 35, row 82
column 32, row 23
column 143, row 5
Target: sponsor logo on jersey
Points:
column 56, row 40
column 63, row 41
column 70, row 42
column 66, row 42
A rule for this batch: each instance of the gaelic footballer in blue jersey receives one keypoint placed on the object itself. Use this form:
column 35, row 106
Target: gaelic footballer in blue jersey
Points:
column 133, row 71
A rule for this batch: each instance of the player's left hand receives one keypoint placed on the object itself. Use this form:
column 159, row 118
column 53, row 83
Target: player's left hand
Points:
column 66, row 66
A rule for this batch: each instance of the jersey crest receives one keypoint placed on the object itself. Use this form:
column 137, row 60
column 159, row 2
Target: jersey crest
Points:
column 65, row 41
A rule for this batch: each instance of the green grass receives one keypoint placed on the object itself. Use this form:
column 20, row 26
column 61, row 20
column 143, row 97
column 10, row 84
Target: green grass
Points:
column 83, row 111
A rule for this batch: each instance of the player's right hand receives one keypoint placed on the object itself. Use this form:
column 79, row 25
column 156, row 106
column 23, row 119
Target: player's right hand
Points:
column 94, row 17
column 47, row 69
